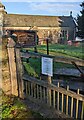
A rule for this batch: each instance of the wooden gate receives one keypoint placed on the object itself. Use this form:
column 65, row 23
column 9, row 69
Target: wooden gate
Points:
column 63, row 100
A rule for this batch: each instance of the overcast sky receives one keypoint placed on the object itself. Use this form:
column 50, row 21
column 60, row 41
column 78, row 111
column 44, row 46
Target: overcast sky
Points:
column 43, row 7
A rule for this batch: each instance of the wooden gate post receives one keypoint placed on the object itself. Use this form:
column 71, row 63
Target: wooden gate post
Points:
column 12, row 66
column 19, row 69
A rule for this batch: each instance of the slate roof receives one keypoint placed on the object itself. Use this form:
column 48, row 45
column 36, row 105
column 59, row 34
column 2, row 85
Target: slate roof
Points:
column 67, row 21
column 19, row 20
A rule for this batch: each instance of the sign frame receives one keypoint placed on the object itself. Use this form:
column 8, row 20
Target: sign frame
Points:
column 47, row 66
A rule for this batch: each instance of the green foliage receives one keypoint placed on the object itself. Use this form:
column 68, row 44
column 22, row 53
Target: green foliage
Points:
column 11, row 106
column 80, row 21
column 14, row 108
column 33, row 67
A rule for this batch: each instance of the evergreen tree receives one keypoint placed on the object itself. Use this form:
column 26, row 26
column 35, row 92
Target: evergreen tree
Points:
column 80, row 21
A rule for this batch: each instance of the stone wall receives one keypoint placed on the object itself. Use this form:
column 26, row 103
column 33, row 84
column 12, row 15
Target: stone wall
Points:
column 53, row 34
column 6, row 83
column 9, row 74
column 4, row 65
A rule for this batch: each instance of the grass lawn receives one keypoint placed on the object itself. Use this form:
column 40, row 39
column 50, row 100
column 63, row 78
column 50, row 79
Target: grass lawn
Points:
column 34, row 66
column 62, row 50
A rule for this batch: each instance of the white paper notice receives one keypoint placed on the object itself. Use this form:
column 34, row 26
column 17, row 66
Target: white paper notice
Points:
column 47, row 66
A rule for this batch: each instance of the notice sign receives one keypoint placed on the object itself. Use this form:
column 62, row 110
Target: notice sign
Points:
column 47, row 66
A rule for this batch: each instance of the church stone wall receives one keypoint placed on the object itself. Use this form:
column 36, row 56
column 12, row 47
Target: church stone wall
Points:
column 53, row 33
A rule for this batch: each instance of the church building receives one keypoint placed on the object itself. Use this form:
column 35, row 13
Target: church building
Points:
column 59, row 29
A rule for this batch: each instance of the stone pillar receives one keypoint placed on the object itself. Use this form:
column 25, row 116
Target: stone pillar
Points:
column 12, row 66
column 1, row 33
column 2, row 12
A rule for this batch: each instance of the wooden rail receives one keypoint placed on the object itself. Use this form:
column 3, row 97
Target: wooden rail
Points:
column 61, row 99
column 68, row 60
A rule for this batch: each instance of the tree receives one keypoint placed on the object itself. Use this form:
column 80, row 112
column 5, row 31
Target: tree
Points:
column 80, row 21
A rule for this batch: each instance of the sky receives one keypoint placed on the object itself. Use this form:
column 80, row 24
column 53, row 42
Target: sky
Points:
column 43, row 7
column 41, row 0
